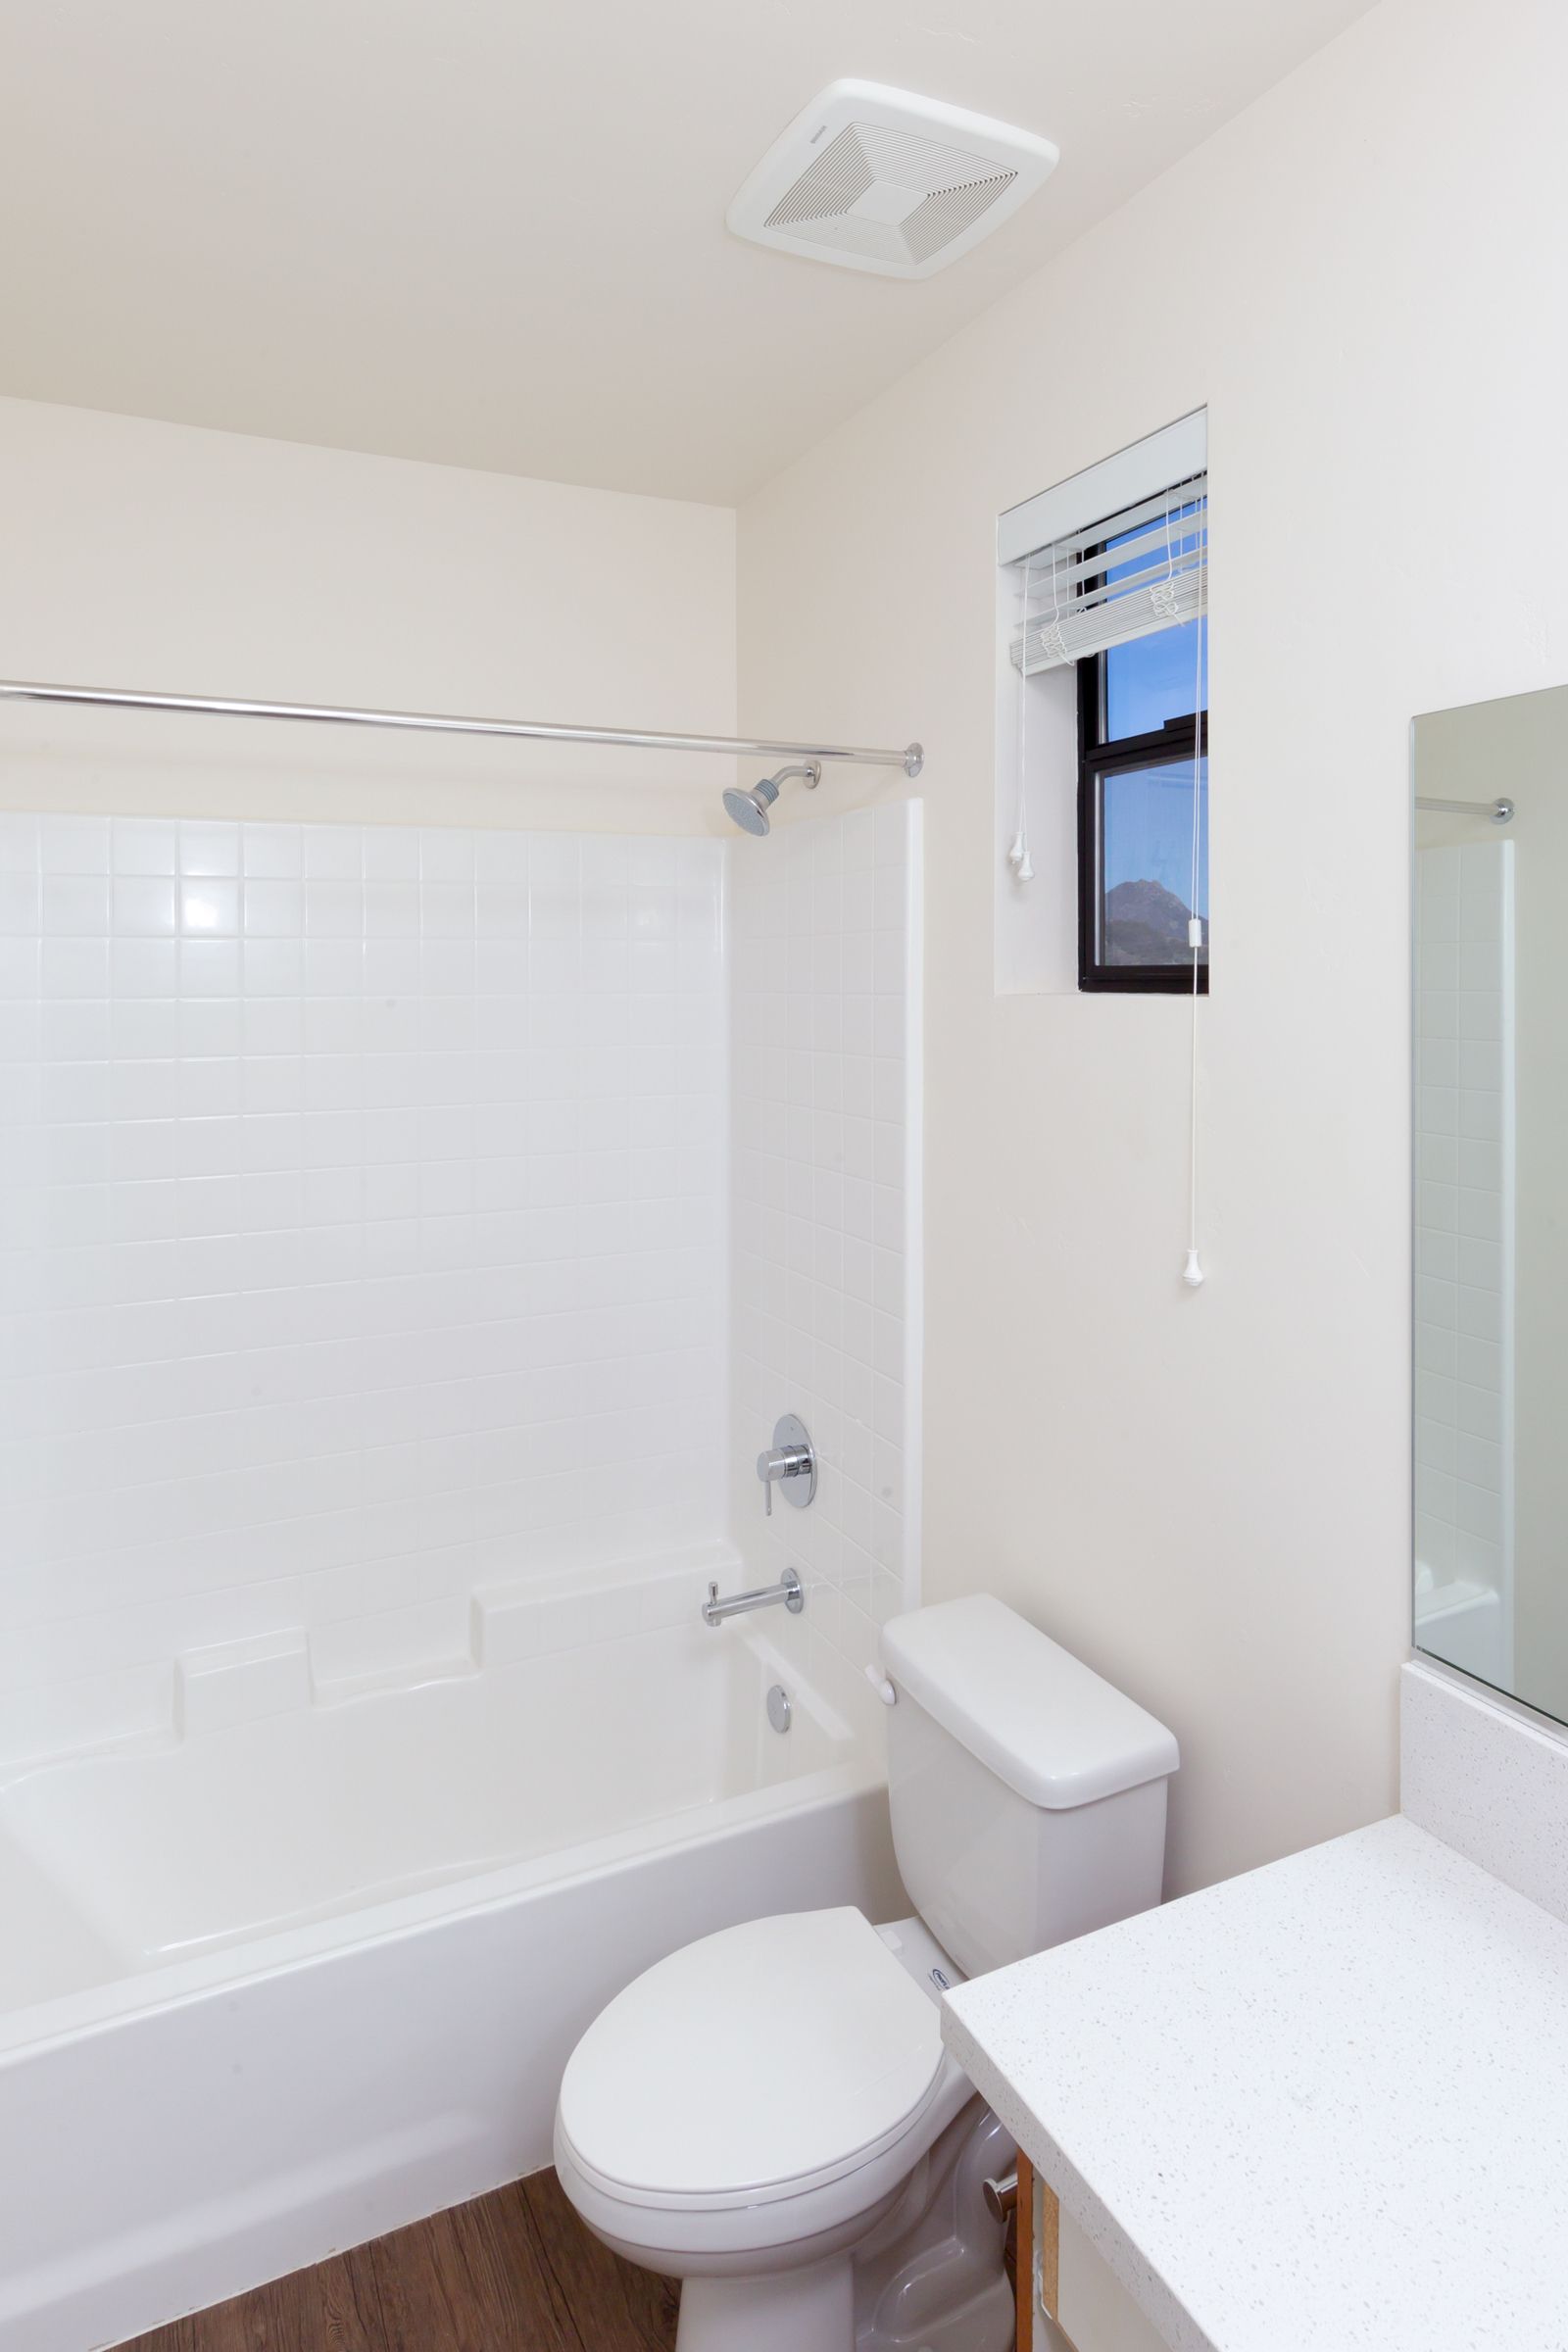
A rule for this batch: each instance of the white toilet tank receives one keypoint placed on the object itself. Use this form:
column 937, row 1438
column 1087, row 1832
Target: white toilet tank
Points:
column 1028, row 1796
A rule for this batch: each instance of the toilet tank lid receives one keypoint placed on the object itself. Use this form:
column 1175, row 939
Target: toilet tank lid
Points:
column 1032, row 1713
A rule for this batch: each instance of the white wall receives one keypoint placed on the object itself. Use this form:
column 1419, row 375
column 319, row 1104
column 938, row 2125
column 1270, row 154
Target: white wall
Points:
column 1208, row 1495
column 367, row 1199
column 159, row 556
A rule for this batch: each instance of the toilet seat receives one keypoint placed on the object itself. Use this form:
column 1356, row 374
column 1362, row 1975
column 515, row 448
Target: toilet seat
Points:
column 753, row 2067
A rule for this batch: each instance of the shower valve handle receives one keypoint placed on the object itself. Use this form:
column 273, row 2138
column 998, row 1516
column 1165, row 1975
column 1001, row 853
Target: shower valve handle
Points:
column 789, row 1463
column 781, row 1461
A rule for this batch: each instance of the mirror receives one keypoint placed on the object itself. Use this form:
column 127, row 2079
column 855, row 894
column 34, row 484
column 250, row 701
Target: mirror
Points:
column 1491, row 1293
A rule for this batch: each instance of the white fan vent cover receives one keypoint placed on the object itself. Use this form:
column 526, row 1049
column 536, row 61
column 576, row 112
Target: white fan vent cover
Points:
column 881, row 180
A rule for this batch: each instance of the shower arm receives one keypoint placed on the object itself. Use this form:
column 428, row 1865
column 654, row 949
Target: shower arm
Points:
column 538, row 730
column 1500, row 812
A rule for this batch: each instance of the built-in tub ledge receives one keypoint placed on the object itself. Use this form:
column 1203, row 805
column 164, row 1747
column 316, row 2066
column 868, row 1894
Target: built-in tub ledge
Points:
column 524, row 1617
column 240, row 1682
column 1325, row 2103
column 509, row 1619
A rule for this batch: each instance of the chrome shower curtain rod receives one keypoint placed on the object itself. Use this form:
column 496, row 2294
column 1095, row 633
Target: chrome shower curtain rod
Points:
column 539, row 731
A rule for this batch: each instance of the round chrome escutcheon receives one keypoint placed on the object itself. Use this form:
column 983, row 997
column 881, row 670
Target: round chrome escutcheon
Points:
column 780, row 1710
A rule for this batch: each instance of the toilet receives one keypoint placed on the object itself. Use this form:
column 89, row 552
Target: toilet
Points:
column 770, row 2115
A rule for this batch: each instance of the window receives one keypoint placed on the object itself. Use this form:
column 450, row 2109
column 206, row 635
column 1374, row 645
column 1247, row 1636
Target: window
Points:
column 1140, row 734
column 1102, row 600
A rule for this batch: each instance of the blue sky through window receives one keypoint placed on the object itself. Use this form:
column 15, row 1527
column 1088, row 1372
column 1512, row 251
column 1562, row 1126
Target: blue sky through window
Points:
column 1146, row 877
column 1151, row 679
column 1148, row 830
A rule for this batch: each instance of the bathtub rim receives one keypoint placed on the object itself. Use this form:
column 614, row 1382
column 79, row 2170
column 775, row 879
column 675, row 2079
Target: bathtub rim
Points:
column 27, row 2031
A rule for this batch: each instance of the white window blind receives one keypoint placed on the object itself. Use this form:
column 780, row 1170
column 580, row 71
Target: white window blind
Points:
column 1123, row 576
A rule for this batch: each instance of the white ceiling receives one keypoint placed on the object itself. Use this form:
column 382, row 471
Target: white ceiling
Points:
column 491, row 232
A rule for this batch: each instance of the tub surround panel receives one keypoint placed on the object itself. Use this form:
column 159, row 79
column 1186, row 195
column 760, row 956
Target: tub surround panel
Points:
column 1487, row 1777
column 239, row 1681
column 825, row 946
column 509, row 1619
column 524, row 1617
column 361, row 1242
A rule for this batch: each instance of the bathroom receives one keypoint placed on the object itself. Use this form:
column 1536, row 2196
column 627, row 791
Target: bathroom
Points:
column 554, row 957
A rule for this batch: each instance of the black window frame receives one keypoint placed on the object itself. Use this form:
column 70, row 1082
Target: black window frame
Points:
column 1099, row 757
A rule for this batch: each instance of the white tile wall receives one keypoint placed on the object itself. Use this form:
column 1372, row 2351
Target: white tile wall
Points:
column 363, row 1238
column 825, row 1004
column 1465, row 1241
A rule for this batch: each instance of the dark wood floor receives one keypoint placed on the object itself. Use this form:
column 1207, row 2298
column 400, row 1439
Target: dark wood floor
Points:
column 514, row 2272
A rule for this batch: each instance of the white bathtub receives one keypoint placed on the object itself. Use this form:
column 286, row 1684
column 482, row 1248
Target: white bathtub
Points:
column 271, row 1987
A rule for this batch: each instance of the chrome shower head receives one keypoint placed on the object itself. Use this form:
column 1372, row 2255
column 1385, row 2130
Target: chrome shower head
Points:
column 748, row 810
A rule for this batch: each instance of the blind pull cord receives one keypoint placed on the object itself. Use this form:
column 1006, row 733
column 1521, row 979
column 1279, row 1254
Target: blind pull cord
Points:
column 1193, row 1272
column 1018, row 857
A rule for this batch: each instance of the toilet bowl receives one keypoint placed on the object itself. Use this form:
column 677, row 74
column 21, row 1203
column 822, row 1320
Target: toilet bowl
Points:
column 753, row 2108
column 770, row 2115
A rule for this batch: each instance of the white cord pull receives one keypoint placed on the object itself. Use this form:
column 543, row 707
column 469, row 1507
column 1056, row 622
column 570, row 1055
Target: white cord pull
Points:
column 1192, row 1271
column 1018, row 857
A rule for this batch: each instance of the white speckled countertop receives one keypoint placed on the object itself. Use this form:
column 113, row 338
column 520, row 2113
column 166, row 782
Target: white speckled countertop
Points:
column 1320, row 2108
